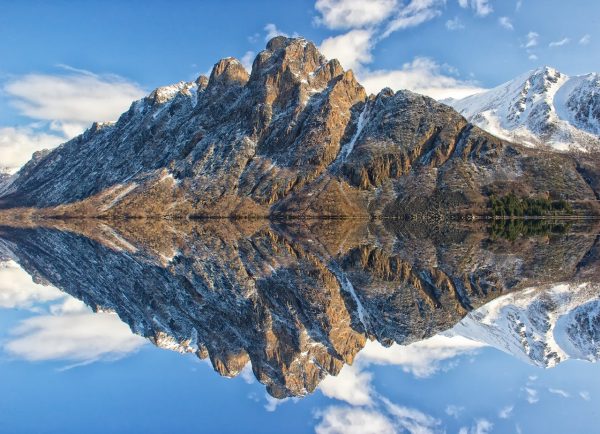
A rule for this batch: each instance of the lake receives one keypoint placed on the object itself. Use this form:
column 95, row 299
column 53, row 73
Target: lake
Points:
column 327, row 326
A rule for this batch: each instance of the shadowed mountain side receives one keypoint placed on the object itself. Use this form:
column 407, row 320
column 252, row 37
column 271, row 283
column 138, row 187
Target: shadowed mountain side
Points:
column 297, row 301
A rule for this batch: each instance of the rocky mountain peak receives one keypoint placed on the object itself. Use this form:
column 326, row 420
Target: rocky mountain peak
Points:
column 164, row 94
column 289, row 60
column 202, row 82
column 279, row 42
column 542, row 79
column 546, row 71
column 227, row 72
column 386, row 92
column 97, row 126
column 331, row 69
column 298, row 136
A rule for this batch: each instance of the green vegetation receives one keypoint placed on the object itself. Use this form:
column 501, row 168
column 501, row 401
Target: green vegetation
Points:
column 512, row 229
column 513, row 206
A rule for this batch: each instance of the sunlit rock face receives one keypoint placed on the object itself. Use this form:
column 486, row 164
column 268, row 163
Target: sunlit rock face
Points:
column 300, row 301
column 298, row 136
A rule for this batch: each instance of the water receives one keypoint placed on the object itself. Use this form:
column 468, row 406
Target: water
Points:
column 314, row 326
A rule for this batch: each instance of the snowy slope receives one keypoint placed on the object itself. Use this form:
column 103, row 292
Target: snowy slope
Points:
column 5, row 179
column 540, row 108
column 540, row 326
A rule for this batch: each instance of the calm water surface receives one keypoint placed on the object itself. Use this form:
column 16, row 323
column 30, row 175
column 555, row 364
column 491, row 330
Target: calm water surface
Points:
column 326, row 326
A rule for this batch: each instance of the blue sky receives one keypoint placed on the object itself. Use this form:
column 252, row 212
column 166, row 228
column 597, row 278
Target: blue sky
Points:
column 66, row 64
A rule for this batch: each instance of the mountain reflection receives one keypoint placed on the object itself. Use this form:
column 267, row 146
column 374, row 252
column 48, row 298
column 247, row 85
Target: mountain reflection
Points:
column 300, row 300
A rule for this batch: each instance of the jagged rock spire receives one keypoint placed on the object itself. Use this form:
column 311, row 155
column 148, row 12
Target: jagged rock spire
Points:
column 227, row 72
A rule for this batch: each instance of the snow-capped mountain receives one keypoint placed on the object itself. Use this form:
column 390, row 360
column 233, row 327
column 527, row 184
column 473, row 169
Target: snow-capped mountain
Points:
column 5, row 179
column 543, row 107
column 540, row 326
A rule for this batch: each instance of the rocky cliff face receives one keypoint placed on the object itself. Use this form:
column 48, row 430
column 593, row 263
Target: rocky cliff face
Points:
column 542, row 108
column 298, row 136
column 297, row 302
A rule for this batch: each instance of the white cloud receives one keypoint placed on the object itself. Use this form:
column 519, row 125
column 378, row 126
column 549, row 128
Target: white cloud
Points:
column 381, row 417
column 65, row 103
column 454, row 24
column 585, row 395
column 454, row 411
column 69, row 331
column 18, row 290
column 422, row 75
column 73, row 333
column 247, row 60
column 531, row 40
column 411, row 420
column 519, row 5
column 247, row 374
column 422, row 359
column 273, row 31
column 347, row 14
column 350, row 385
column 352, row 49
column 354, row 386
column 348, row 420
column 482, row 8
column 560, row 43
column 506, row 23
column 585, row 40
column 506, row 412
column 18, row 143
column 273, row 403
column 416, row 12
column 481, row 426
column 73, row 101
column 253, row 39
column 559, row 392
column 532, row 395
column 357, row 14
column 374, row 413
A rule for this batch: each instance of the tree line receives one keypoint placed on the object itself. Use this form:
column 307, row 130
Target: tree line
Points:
column 511, row 205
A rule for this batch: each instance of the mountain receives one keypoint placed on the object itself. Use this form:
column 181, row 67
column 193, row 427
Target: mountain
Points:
column 298, row 136
column 542, row 108
column 298, row 301
column 540, row 326
column 5, row 180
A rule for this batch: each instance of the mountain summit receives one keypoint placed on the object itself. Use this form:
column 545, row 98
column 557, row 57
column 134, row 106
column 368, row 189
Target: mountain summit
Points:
column 299, row 137
column 543, row 107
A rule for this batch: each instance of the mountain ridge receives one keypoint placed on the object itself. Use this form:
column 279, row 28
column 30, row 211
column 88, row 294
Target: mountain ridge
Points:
column 543, row 108
column 297, row 137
